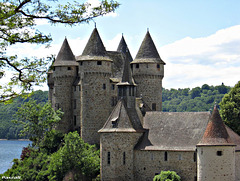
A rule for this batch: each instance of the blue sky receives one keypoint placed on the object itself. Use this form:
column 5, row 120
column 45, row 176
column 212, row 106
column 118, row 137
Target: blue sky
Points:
column 199, row 40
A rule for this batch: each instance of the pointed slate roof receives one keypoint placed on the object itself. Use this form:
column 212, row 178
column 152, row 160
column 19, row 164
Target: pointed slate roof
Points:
column 94, row 49
column 122, row 120
column 147, row 52
column 122, row 47
column 65, row 56
column 127, row 74
column 216, row 132
column 94, row 45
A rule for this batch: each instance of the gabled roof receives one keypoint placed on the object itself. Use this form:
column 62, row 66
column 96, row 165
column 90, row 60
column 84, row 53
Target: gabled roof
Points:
column 177, row 131
column 122, row 120
column 65, row 56
column 147, row 52
column 122, row 47
column 94, row 45
column 216, row 132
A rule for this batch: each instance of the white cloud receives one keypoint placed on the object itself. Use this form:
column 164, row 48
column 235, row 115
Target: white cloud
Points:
column 212, row 60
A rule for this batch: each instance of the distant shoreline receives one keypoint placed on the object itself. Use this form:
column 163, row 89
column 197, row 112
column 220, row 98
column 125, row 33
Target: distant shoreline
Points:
column 14, row 140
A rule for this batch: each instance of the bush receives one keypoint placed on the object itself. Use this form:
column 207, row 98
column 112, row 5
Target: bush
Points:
column 167, row 176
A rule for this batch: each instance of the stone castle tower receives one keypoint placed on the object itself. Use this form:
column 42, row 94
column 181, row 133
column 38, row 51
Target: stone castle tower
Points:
column 87, row 87
column 216, row 152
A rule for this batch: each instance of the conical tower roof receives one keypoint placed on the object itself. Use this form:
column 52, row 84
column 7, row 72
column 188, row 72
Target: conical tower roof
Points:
column 122, row 47
column 65, row 56
column 147, row 52
column 215, row 133
column 94, row 45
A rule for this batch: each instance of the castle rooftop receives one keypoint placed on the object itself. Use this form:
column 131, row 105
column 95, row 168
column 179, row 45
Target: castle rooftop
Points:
column 216, row 132
column 147, row 52
column 65, row 56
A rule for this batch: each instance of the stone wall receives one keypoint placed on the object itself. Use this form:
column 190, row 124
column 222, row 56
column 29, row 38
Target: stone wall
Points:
column 113, row 147
column 216, row 163
column 62, row 95
column 95, row 98
column 237, row 166
column 147, row 164
column 149, row 83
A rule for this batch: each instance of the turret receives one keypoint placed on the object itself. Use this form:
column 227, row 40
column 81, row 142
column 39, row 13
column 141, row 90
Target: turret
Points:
column 148, row 72
column 95, row 69
column 216, row 152
column 63, row 75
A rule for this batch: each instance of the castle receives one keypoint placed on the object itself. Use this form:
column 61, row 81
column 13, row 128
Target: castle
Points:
column 115, row 101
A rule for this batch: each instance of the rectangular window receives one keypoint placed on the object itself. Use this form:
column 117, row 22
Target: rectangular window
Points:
column 219, row 153
column 165, row 156
column 108, row 158
column 69, row 68
column 158, row 66
column 81, row 63
column 104, row 86
column 137, row 65
column 154, row 107
column 179, row 157
column 124, row 158
column 99, row 62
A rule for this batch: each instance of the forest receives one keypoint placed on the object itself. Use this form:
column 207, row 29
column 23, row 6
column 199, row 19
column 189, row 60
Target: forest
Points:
column 174, row 100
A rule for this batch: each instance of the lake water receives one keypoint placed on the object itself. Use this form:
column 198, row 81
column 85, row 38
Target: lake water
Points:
column 10, row 149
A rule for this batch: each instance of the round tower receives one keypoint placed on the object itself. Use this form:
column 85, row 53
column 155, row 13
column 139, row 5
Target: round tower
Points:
column 216, row 152
column 63, row 75
column 148, row 72
column 95, row 70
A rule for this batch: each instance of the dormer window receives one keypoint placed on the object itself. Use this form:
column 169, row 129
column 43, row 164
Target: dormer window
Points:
column 99, row 62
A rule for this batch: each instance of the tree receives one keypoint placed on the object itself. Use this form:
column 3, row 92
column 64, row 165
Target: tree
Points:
column 167, row 176
column 230, row 108
column 37, row 120
column 18, row 21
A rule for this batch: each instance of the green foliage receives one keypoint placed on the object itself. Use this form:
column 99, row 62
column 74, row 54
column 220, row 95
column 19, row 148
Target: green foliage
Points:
column 8, row 129
column 18, row 25
column 230, row 108
column 167, row 176
column 37, row 120
column 197, row 99
column 72, row 155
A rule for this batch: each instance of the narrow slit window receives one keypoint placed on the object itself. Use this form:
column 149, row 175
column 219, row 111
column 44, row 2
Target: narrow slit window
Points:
column 165, row 156
column 74, row 104
column 124, row 158
column 195, row 157
column 108, row 158
column 75, row 120
column 154, row 107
